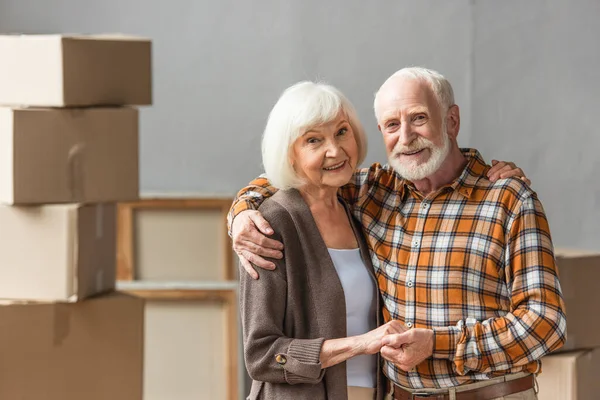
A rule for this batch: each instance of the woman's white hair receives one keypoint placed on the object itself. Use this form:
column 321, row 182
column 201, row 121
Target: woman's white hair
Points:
column 300, row 108
column 441, row 87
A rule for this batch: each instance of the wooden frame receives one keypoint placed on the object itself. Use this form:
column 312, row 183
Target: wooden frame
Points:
column 225, row 294
column 126, row 266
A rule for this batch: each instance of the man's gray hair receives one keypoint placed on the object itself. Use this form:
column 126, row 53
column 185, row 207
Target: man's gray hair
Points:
column 441, row 87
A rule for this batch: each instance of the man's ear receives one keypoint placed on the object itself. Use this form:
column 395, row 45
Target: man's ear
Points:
column 453, row 121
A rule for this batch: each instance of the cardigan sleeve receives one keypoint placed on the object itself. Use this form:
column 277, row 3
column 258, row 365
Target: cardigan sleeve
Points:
column 269, row 354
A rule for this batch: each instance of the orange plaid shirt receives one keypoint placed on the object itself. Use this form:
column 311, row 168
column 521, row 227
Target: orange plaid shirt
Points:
column 472, row 261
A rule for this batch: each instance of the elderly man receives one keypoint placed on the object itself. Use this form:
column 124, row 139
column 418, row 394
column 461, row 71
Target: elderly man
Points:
column 465, row 263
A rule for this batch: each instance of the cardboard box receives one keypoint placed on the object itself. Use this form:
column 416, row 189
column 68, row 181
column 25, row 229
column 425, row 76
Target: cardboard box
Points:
column 91, row 350
column 570, row 376
column 50, row 155
column 57, row 252
column 61, row 70
column 579, row 274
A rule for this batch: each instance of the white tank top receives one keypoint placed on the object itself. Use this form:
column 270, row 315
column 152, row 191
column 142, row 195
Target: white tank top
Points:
column 359, row 291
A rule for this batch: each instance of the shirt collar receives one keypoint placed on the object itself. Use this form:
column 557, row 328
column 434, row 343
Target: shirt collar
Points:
column 466, row 182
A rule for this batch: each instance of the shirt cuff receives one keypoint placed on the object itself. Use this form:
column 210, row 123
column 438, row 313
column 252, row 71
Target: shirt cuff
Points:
column 240, row 206
column 445, row 341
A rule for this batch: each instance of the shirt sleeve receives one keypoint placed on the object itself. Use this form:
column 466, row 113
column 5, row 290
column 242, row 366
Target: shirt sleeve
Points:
column 536, row 324
column 270, row 355
column 250, row 198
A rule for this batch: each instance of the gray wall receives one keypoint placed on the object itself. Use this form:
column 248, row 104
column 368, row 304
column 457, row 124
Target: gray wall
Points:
column 526, row 76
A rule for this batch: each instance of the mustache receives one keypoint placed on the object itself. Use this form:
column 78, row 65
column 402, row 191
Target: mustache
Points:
column 418, row 144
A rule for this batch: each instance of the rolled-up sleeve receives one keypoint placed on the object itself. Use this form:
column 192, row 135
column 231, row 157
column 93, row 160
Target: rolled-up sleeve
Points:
column 536, row 324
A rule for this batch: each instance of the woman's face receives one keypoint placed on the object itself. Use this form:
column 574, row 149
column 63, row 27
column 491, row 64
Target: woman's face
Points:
column 326, row 155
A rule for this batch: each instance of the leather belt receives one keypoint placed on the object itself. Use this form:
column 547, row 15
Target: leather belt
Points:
column 483, row 393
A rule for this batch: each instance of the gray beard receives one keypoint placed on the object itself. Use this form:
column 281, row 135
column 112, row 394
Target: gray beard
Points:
column 430, row 167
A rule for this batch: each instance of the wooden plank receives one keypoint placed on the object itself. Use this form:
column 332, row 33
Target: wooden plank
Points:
column 220, row 296
column 177, row 285
column 181, row 203
column 231, row 327
column 125, row 244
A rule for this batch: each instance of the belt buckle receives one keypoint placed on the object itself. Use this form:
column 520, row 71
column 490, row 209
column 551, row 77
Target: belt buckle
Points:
column 428, row 395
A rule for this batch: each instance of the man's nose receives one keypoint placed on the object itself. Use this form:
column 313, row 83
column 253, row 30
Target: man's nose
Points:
column 406, row 134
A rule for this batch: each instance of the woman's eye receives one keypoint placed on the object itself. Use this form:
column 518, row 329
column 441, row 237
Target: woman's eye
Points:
column 342, row 131
column 312, row 140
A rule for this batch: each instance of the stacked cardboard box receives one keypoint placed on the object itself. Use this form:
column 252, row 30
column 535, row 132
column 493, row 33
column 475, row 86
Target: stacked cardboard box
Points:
column 573, row 372
column 68, row 152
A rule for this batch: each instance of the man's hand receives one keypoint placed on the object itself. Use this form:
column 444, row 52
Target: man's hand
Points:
column 370, row 342
column 503, row 169
column 409, row 349
column 250, row 243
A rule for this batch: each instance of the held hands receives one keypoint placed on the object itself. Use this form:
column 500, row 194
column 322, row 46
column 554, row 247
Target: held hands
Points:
column 404, row 347
column 408, row 349
column 249, row 230
column 371, row 342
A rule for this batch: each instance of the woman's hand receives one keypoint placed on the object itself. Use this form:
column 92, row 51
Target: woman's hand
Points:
column 506, row 169
column 370, row 342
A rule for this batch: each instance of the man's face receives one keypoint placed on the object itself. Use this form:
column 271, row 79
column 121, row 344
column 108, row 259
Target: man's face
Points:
column 413, row 128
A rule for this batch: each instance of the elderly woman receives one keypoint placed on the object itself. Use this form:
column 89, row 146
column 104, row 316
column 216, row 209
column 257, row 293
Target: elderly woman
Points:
column 311, row 326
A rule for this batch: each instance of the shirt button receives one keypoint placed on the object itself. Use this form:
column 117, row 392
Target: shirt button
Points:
column 409, row 283
column 415, row 243
column 281, row 360
column 424, row 206
column 409, row 324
